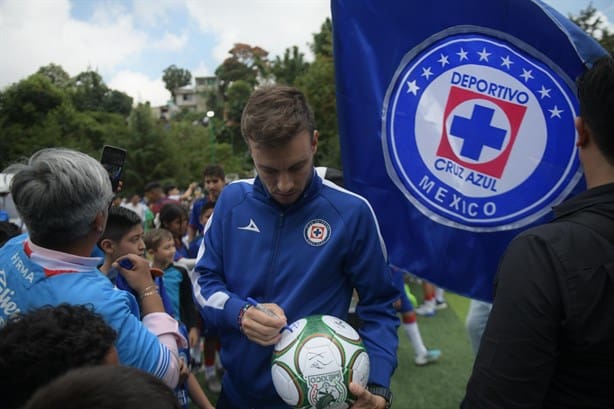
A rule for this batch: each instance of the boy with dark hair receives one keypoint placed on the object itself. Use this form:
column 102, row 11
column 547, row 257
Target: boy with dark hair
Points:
column 214, row 181
column 44, row 343
column 123, row 234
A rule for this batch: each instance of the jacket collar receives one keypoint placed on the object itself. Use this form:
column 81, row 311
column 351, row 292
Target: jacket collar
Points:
column 600, row 199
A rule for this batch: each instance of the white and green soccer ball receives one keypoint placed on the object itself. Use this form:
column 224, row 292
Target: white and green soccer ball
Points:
column 313, row 365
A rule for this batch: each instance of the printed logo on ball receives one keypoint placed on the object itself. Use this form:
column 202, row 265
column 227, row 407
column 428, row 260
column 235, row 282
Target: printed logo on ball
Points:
column 479, row 134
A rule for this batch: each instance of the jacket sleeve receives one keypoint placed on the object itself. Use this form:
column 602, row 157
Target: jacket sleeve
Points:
column 518, row 350
column 372, row 279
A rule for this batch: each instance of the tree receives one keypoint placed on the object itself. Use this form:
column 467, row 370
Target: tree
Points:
column 591, row 22
column 89, row 91
column 117, row 102
column 293, row 65
column 318, row 84
column 56, row 75
column 246, row 63
column 29, row 101
column 175, row 77
column 323, row 41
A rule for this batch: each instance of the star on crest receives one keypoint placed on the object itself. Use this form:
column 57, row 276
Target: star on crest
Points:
column 443, row 60
column 462, row 54
column 555, row 112
column 507, row 62
column 412, row 87
column 426, row 72
column 484, row 54
column 526, row 74
column 544, row 92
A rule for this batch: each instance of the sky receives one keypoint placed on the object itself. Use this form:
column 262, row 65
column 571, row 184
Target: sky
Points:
column 130, row 42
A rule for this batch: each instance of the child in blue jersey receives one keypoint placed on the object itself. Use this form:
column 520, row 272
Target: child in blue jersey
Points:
column 161, row 250
column 214, row 181
column 205, row 213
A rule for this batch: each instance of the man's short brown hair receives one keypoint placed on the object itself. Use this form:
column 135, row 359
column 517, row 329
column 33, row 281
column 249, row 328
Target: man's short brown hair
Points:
column 275, row 114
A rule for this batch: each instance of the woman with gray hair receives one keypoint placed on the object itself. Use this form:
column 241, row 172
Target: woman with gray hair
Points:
column 63, row 197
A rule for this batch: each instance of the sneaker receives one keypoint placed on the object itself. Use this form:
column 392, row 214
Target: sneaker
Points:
column 425, row 310
column 213, row 384
column 441, row 305
column 431, row 355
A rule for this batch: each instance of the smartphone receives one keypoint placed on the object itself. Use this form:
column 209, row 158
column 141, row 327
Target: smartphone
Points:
column 113, row 159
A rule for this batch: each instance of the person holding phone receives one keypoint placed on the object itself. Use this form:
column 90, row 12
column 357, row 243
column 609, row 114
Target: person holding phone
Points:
column 63, row 197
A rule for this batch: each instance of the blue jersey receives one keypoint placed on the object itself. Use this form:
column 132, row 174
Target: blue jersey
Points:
column 28, row 282
column 307, row 257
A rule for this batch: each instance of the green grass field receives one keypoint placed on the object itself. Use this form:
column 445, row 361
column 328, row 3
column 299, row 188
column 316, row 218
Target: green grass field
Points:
column 436, row 386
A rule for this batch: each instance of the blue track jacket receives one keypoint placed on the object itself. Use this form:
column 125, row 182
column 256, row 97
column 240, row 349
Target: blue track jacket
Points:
column 307, row 258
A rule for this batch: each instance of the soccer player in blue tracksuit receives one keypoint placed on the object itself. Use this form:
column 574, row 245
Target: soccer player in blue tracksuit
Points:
column 297, row 244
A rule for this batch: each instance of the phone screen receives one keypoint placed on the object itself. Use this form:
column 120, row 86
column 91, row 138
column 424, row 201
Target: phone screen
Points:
column 113, row 159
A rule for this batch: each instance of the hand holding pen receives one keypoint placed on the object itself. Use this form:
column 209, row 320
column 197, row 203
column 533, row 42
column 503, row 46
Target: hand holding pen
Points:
column 262, row 323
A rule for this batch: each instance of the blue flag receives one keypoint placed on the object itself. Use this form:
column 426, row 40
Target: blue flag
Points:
column 456, row 121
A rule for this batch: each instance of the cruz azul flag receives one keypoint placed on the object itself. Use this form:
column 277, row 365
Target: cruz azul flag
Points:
column 456, row 121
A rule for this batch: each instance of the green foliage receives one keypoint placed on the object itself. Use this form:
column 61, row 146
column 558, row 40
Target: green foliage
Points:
column 117, row 102
column 175, row 77
column 56, row 74
column 318, row 84
column 89, row 91
column 593, row 25
column 29, row 101
column 238, row 93
column 323, row 41
column 292, row 66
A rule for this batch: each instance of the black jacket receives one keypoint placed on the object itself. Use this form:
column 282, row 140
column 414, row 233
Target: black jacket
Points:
column 549, row 341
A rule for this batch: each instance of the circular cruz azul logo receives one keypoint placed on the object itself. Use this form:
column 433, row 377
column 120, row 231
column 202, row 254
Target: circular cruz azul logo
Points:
column 316, row 232
column 478, row 134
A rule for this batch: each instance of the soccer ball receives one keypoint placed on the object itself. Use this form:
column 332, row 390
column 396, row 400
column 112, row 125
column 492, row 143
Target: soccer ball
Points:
column 313, row 365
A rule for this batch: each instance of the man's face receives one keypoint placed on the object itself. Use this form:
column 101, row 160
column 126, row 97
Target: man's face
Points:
column 214, row 186
column 286, row 170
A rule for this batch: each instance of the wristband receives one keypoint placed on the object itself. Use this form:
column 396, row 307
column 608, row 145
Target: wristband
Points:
column 381, row 391
column 241, row 314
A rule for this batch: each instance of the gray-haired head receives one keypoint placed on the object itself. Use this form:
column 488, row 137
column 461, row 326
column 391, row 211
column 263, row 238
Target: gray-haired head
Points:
column 58, row 193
